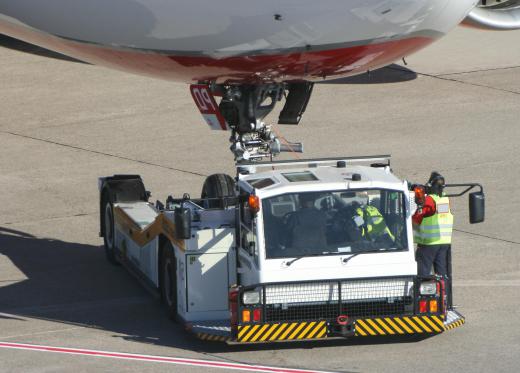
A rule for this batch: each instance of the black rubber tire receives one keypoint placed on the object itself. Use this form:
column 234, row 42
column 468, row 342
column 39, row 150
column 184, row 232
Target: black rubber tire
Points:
column 109, row 230
column 168, row 280
column 218, row 186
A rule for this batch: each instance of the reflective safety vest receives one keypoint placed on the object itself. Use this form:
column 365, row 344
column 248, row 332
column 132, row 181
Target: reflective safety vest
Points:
column 436, row 229
column 374, row 222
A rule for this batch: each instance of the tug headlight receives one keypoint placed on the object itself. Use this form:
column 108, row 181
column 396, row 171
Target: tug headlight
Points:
column 251, row 297
column 428, row 288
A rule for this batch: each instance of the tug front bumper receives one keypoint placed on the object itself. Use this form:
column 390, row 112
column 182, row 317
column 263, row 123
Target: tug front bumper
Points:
column 394, row 326
column 363, row 327
column 344, row 308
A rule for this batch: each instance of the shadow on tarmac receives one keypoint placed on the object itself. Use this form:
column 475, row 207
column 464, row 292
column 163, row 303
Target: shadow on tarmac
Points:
column 21, row 46
column 389, row 74
column 74, row 284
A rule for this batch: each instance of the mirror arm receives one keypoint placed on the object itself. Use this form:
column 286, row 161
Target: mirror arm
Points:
column 468, row 188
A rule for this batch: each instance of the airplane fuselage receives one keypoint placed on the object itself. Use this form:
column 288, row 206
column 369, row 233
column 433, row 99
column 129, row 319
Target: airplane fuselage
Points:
column 234, row 40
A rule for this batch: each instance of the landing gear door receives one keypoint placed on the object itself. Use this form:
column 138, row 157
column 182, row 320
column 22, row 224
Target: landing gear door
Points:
column 208, row 107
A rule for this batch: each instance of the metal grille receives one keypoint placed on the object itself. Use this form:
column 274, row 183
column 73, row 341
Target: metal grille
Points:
column 323, row 301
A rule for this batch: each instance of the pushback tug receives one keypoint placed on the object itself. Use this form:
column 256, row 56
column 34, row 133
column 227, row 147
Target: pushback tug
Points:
column 241, row 265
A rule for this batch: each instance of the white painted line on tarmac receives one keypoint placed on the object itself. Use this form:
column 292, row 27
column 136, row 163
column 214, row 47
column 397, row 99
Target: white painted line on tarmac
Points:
column 486, row 283
column 158, row 359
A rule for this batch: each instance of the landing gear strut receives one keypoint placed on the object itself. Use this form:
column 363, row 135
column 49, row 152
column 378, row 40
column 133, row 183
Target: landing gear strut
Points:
column 243, row 109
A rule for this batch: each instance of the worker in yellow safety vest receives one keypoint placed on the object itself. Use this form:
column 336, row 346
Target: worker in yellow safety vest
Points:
column 433, row 226
column 374, row 227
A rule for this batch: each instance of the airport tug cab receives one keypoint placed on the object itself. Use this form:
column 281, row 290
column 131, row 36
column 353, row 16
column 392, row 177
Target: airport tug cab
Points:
column 287, row 250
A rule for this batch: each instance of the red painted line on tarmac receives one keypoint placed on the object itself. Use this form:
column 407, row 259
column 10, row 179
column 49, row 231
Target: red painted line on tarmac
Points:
column 159, row 359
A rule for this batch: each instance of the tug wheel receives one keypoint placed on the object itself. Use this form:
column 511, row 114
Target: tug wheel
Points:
column 168, row 281
column 109, row 231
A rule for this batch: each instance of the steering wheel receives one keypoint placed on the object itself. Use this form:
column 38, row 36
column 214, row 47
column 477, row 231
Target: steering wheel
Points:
column 344, row 214
column 289, row 249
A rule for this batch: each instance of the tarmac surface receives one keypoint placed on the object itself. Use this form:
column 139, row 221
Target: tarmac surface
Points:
column 455, row 108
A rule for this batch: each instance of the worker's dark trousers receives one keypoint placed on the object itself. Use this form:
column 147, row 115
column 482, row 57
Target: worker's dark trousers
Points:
column 438, row 256
column 432, row 255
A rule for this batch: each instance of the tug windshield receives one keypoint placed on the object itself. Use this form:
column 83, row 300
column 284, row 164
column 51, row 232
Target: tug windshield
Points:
column 336, row 222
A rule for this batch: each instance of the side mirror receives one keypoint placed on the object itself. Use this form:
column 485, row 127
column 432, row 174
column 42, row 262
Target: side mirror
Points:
column 183, row 223
column 477, row 209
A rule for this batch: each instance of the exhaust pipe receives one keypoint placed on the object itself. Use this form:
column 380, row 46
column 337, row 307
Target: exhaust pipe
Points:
column 277, row 147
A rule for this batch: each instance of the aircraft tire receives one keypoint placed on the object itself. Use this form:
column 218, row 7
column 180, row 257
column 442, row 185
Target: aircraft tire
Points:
column 218, row 186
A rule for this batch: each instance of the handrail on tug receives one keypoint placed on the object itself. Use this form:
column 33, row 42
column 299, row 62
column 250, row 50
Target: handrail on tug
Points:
column 374, row 160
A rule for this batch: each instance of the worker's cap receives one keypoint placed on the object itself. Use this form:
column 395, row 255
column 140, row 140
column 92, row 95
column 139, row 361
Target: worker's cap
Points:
column 436, row 178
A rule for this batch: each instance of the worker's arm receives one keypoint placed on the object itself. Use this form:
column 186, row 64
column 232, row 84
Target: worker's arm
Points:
column 428, row 209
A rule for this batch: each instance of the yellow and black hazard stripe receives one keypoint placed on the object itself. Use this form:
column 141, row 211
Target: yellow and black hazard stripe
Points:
column 282, row 331
column 399, row 325
column 455, row 324
column 212, row 337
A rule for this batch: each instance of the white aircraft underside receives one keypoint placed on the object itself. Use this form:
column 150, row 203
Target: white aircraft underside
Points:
column 234, row 40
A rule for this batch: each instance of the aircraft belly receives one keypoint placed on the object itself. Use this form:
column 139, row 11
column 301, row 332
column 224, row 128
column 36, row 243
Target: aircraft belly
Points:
column 172, row 35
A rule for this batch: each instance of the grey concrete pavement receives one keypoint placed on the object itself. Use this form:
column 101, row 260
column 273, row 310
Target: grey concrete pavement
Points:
column 63, row 124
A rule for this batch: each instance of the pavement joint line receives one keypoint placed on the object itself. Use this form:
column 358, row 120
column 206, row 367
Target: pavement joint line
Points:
column 103, row 153
column 101, row 120
column 479, row 164
column 158, row 359
column 480, row 71
column 442, row 77
column 24, row 311
column 487, row 283
column 40, row 333
column 486, row 236
column 468, row 83
column 406, row 70
column 49, row 218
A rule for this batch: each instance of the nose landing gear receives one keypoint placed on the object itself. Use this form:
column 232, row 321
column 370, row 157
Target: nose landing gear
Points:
column 242, row 110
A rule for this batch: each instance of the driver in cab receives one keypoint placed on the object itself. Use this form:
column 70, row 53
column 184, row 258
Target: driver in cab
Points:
column 307, row 225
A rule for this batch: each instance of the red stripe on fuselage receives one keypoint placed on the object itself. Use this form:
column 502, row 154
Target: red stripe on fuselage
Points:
column 308, row 65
